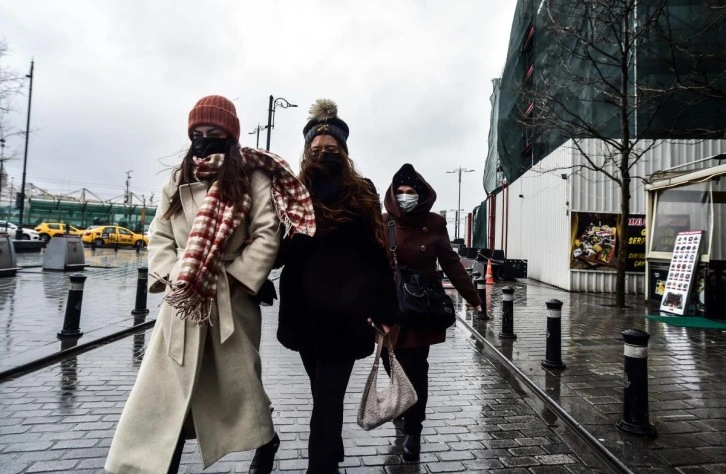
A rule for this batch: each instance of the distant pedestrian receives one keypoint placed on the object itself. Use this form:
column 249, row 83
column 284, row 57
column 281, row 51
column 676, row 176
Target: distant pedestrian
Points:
column 421, row 240
column 332, row 283
column 212, row 245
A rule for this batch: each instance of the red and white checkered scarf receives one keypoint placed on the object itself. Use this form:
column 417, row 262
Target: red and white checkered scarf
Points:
column 194, row 292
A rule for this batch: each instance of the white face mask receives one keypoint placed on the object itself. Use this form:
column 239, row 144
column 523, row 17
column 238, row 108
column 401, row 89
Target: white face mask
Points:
column 407, row 202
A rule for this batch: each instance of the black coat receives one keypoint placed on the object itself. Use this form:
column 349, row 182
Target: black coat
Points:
column 329, row 286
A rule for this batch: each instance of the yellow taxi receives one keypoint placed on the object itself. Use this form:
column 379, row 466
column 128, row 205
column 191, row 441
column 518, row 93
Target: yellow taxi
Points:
column 46, row 230
column 113, row 234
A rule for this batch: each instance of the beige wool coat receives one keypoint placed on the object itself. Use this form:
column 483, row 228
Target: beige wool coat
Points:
column 211, row 373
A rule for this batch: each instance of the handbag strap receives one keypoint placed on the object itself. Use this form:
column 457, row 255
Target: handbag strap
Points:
column 392, row 241
column 380, row 341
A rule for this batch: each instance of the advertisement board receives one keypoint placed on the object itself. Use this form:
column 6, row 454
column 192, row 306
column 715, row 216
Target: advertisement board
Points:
column 594, row 242
column 686, row 251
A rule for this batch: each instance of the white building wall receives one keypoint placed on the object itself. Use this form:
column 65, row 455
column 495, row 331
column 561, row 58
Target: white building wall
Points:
column 539, row 222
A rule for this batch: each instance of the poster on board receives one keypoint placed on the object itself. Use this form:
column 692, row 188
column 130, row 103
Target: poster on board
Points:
column 686, row 251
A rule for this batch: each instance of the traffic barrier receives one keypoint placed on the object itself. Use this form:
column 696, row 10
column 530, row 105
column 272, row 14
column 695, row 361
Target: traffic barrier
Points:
column 489, row 275
column 141, row 292
column 481, row 290
column 635, row 418
column 64, row 253
column 553, row 352
column 8, row 260
column 72, row 320
column 507, row 331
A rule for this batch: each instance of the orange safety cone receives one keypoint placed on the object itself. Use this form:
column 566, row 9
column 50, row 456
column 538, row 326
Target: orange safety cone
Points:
column 489, row 276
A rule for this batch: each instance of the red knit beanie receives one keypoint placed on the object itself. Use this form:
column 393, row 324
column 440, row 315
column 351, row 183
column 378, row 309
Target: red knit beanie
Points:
column 217, row 111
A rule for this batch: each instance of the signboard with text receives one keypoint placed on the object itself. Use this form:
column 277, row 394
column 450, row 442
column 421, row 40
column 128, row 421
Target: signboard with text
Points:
column 595, row 241
column 684, row 262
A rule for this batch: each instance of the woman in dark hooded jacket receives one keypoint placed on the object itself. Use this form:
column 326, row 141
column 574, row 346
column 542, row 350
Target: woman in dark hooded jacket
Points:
column 421, row 241
column 332, row 283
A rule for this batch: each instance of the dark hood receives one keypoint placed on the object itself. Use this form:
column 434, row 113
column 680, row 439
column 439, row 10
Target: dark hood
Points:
column 427, row 195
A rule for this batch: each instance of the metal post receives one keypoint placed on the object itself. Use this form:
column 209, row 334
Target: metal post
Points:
column 635, row 418
column 25, row 154
column 269, row 122
column 481, row 289
column 475, row 276
column 507, row 313
column 553, row 352
column 458, row 209
column 72, row 320
column 141, row 294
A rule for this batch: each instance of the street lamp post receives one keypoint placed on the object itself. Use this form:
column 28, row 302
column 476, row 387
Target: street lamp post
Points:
column 271, row 114
column 459, row 170
column 25, row 157
column 257, row 130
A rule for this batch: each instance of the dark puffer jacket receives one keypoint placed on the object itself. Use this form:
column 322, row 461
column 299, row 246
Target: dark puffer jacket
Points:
column 329, row 286
column 422, row 240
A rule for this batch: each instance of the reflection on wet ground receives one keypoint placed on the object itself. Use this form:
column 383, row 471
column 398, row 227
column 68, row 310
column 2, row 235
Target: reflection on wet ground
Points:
column 686, row 372
column 62, row 418
column 32, row 303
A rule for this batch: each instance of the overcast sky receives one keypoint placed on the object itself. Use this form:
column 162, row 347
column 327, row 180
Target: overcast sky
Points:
column 115, row 80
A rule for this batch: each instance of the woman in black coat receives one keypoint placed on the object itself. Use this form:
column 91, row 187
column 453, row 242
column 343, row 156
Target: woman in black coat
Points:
column 332, row 283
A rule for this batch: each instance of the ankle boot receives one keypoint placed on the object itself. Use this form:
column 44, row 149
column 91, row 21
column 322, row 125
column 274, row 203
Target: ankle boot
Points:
column 265, row 457
column 411, row 447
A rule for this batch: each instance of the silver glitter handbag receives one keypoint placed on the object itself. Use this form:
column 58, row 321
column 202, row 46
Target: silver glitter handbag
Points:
column 377, row 407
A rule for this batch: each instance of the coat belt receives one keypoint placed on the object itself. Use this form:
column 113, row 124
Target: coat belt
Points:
column 225, row 320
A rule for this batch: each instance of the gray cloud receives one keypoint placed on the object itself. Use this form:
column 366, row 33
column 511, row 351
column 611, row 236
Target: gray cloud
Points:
column 115, row 81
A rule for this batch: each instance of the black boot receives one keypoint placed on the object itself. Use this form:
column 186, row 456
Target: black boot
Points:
column 265, row 457
column 411, row 447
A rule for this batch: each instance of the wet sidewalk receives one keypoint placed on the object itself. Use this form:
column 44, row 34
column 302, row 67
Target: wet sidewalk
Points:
column 686, row 374
column 33, row 304
column 62, row 418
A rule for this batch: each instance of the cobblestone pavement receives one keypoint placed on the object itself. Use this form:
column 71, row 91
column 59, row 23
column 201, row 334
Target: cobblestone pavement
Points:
column 62, row 418
column 32, row 303
column 686, row 375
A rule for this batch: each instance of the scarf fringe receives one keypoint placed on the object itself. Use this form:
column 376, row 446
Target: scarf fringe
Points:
column 190, row 305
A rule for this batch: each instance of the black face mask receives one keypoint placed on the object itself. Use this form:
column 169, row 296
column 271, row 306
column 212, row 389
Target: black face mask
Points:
column 332, row 162
column 205, row 146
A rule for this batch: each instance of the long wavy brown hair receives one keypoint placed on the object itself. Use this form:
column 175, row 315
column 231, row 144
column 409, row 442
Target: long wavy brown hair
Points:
column 359, row 196
column 232, row 177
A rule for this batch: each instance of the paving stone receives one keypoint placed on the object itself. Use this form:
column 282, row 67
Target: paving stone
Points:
column 470, row 400
column 52, row 466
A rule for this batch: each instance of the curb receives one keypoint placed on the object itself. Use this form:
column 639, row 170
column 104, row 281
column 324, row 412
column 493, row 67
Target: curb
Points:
column 492, row 351
column 71, row 351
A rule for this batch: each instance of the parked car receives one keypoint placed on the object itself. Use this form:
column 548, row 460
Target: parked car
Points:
column 51, row 229
column 113, row 234
column 12, row 230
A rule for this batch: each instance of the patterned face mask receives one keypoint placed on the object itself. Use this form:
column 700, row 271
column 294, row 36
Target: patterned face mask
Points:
column 407, row 202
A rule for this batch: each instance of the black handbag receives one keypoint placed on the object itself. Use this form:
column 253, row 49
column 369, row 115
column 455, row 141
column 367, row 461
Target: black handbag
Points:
column 422, row 301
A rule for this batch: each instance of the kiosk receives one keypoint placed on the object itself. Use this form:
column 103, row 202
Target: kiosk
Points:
column 691, row 201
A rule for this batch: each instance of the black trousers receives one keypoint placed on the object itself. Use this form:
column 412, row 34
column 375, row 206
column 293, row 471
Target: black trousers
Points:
column 328, row 382
column 415, row 363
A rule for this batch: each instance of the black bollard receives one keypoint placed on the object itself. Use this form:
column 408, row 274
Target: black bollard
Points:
column 475, row 276
column 481, row 289
column 115, row 247
column 72, row 320
column 507, row 331
column 93, row 244
column 141, row 292
column 635, row 418
column 553, row 353
column 138, row 249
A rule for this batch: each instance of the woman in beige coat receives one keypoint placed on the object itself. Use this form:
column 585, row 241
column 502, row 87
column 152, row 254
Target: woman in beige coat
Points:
column 212, row 245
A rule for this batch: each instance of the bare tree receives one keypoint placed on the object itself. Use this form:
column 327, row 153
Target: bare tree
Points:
column 587, row 86
column 10, row 85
